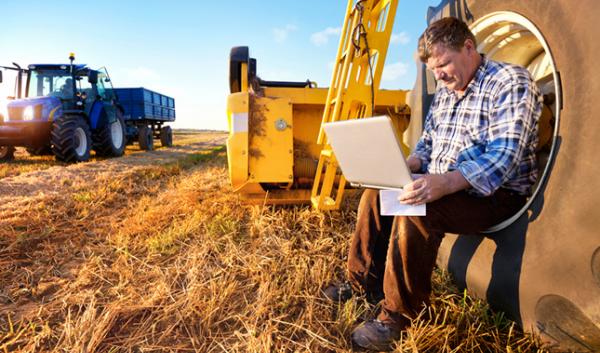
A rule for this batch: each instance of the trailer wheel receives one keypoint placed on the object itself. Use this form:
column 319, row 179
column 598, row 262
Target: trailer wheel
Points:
column 110, row 140
column 7, row 153
column 166, row 136
column 146, row 138
column 45, row 150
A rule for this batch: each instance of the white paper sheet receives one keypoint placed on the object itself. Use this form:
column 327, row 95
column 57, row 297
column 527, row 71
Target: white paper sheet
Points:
column 390, row 206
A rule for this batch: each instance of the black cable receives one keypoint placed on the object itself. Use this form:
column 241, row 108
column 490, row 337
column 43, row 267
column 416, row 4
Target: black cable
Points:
column 362, row 32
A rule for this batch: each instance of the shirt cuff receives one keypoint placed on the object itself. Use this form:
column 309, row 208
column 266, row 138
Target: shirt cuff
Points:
column 476, row 176
column 423, row 158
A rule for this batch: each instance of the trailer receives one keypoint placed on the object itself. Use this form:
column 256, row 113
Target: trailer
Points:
column 145, row 113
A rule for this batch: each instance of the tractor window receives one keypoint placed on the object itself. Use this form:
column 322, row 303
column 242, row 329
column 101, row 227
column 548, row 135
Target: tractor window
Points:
column 101, row 87
column 56, row 83
column 104, row 85
column 84, row 86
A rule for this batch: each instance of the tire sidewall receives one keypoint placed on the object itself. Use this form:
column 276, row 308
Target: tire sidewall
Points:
column 64, row 140
column 118, row 150
column 146, row 138
column 149, row 139
column 569, row 30
column 166, row 136
column 82, row 127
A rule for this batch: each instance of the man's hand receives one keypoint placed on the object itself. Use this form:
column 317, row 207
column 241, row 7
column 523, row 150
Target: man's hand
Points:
column 431, row 187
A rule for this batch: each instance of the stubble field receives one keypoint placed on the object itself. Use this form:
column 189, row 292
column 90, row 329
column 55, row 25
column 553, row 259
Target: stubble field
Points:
column 152, row 252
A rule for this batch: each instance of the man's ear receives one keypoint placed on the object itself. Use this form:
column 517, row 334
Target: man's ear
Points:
column 469, row 45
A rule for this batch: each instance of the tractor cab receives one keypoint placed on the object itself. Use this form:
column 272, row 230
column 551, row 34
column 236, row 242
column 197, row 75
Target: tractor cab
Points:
column 77, row 87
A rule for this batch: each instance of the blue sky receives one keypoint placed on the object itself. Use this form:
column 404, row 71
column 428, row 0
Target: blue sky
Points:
column 181, row 48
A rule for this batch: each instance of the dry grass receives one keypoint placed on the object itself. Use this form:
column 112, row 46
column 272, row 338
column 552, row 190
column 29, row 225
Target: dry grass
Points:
column 167, row 260
column 25, row 163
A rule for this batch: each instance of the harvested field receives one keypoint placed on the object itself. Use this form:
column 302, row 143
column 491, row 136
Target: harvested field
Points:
column 152, row 252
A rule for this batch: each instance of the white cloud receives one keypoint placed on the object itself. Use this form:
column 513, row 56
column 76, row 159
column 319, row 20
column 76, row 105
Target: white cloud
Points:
column 400, row 38
column 321, row 38
column 281, row 34
column 394, row 71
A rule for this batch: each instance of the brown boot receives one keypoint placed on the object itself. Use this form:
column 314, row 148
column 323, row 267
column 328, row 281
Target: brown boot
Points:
column 339, row 293
column 375, row 335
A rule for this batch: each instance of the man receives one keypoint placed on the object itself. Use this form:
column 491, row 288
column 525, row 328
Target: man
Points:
column 477, row 151
column 66, row 90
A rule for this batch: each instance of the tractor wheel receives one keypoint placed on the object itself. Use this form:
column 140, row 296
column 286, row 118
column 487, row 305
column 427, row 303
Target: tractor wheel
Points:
column 70, row 138
column 146, row 138
column 543, row 269
column 166, row 136
column 45, row 150
column 7, row 153
column 110, row 140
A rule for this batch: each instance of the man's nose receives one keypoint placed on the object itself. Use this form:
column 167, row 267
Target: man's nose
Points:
column 439, row 74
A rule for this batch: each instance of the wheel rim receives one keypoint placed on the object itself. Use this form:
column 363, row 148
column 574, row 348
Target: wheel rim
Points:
column 80, row 142
column 510, row 37
column 116, row 133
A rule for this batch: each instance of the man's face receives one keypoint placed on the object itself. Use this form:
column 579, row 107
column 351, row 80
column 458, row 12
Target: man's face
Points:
column 453, row 68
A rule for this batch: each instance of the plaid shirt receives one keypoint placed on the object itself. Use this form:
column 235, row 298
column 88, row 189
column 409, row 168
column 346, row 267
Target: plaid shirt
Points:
column 489, row 134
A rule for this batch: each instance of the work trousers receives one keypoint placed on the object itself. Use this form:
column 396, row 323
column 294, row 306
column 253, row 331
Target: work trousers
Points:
column 396, row 255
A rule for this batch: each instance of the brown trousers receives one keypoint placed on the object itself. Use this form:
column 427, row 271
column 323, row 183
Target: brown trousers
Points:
column 396, row 255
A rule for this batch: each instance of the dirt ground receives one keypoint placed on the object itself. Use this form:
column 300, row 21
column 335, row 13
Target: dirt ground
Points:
column 43, row 228
column 18, row 193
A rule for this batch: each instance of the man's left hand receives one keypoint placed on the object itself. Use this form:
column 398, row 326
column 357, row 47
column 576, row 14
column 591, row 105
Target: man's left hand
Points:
column 431, row 187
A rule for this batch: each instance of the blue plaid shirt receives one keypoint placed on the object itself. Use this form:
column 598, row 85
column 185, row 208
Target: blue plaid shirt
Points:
column 489, row 134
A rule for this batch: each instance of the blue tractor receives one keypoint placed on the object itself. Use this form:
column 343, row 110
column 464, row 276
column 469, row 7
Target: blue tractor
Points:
column 67, row 110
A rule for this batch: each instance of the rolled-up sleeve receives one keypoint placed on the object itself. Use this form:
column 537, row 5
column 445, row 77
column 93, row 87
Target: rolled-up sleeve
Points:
column 512, row 129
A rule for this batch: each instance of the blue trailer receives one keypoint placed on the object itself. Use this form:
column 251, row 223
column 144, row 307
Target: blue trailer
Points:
column 145, row 113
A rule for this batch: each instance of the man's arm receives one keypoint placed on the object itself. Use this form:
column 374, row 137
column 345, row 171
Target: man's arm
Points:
column 512, row 135
column 431, row 187
column 414, row 164
column 512, row 122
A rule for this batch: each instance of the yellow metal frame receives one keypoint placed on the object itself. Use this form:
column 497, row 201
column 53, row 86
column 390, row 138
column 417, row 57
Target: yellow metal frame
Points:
column 357, row 68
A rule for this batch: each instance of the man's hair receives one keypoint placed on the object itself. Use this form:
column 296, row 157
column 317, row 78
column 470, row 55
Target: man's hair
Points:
column 449, row 32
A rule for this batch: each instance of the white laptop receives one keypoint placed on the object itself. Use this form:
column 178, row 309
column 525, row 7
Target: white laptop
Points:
column 369, row 153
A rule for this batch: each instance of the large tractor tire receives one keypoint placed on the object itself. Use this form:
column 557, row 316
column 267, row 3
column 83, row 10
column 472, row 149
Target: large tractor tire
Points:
column 166, row 136
column 7, row 153
column 71, row 139
column 109, row 140
column 146, row 138
column 542, row 266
